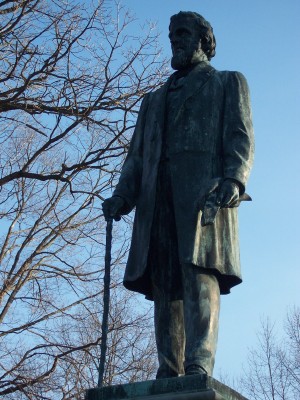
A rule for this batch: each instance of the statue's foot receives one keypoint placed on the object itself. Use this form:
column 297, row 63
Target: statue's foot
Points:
column 195, row 369
column 163, row 373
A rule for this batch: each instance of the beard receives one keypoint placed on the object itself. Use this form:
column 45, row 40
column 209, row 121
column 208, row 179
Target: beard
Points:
column 183, row 59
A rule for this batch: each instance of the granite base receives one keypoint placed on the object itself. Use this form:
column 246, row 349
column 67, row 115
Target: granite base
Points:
column 195, row 387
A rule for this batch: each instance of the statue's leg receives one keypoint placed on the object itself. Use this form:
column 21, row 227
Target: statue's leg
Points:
column 169, row 332
column 166, row 281
column 201, row 316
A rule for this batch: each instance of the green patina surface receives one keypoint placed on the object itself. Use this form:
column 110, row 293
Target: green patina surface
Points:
column 189, row 385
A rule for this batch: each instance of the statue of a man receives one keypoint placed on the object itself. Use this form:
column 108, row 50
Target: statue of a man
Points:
column 186, row 170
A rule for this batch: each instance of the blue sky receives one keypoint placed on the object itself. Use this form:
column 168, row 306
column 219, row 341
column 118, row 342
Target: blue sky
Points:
column 260, row 39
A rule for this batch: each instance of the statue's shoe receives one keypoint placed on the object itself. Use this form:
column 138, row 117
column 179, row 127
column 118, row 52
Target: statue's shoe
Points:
column 195, row 369
column 162, row 374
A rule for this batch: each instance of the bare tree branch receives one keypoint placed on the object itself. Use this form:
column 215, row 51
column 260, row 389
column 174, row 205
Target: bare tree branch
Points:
column 71, row 81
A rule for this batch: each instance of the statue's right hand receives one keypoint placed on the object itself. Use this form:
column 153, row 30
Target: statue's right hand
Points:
column 112, row 208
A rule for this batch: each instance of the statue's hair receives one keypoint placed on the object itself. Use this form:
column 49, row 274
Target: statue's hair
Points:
column 208, row 40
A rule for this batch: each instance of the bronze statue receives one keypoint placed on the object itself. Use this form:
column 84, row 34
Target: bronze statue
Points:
column 185, row 172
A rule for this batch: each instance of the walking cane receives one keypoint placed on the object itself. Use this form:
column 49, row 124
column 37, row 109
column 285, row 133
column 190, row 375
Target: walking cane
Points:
column 106, row 297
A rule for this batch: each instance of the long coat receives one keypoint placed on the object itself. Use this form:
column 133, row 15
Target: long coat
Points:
column 210, row 137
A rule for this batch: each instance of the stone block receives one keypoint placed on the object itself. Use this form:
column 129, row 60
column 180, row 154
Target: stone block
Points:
column 195, row 387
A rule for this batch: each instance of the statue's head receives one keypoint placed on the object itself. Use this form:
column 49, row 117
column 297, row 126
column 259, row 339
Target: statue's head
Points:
column 192, row 39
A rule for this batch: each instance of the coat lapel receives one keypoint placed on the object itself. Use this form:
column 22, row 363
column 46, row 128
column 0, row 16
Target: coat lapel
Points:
column 196, row 79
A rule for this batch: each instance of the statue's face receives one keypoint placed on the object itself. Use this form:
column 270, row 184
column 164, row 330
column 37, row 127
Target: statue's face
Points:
column 185, row 43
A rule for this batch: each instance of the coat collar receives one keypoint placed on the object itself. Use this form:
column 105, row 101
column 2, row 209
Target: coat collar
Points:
column 195, row 80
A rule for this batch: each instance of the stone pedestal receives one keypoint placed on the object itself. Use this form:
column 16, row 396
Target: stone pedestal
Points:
column 197, row 387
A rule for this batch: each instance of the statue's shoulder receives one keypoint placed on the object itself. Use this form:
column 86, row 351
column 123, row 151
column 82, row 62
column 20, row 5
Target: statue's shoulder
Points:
column 155, row 95
column 161, row 88
column 230, row 77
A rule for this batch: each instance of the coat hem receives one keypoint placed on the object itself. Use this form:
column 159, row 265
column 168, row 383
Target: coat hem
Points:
column 142, row 284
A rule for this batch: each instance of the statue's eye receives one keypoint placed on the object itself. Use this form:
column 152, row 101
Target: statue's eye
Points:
column 182, row 32
column 179, row 33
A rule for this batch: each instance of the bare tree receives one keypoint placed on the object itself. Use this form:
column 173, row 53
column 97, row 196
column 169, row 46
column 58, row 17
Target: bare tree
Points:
column 131, row 350
column 72, row 74
column 273, row 369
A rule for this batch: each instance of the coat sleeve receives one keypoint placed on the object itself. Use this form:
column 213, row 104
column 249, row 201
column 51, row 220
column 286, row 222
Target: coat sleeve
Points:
column 238, row 138
column 129, row 183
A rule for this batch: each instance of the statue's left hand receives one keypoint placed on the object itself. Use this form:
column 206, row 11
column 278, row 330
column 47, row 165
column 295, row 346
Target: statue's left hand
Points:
column 228, row 193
